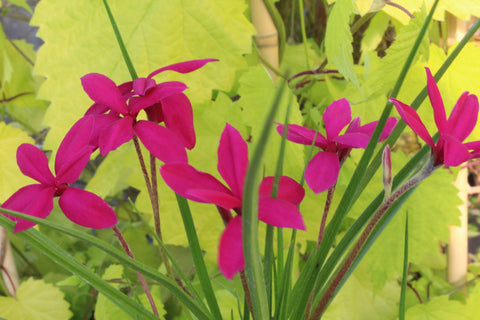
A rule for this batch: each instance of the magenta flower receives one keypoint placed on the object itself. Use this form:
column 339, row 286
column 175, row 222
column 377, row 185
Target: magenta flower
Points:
column 449, row 149
column 232, row 165
column 323, row 170
column 117, row 109
column 80, row 206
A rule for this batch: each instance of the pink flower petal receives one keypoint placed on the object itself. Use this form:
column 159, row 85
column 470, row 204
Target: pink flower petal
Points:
column 74, row 165
column 161, row 142
column 155, row 112
column 464, row 116
column 154, row 95
column 142, row 85
column 103, row 90
column 336, row 117
column 115, row 135
column 437, row 103
column 221, row 199
column 34, row 200
column 86, row 209
column 97, row 108
column 185, row 179
column 233, row 159
column 288, row 189
column 322, row 171
column 230, row 249
column 454, row 152
column 183, row 67
column 302, row 135
column 280, row 213
column 352, row 140
column 178, row 115
column 76, row 139
column 370, row 127
column 34, row 164
column 411, row 118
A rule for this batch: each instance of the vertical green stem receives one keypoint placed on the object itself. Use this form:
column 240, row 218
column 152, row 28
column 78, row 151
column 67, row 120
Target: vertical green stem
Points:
column 304, row 33
column 401, row 311
column 121, row 44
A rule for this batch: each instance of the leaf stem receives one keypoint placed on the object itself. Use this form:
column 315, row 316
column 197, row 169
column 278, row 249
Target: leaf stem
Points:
column 246, row 290
column 140, row 276
column 326, row 209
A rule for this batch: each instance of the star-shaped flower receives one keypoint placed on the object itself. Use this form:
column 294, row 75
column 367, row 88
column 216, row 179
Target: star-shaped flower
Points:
column 323, row 170
column 82, row 207
column 233, row 162
column 449, row 149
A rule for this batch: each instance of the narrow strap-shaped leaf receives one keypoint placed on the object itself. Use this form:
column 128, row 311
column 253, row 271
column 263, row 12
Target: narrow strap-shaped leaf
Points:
column 253, row 259
column 135, row 265
column 401, row 311
column 197, row 255
column 64, row 259
column 121, row 44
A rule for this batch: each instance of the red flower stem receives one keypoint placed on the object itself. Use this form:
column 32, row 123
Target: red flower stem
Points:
column 156, row 217
column 142, row 164
column 328, row 203
column 332, row 287
column 396, row 5
column 246, row 290
column 139, row 275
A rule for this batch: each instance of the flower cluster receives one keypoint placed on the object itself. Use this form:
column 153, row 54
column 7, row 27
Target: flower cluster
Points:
column 108, row 123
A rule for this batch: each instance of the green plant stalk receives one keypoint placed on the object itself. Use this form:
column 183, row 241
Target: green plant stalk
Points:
column 64, row 259
column 401, row 311
column 197, row 255
column 307, row 278
column 121, row 44
column 285, row 281
column 304, row 33
column 135, row 265
column 346, row 267
column 140, row 276
column 253, row 260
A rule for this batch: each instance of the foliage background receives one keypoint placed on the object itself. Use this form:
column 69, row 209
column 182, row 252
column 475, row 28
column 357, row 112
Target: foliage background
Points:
column 79, row 40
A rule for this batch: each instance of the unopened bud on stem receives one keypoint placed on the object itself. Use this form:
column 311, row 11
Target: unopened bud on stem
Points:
column 387, row 171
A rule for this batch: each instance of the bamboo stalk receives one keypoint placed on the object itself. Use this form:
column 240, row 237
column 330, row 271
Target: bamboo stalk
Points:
column 267, row 35
column 457, row 253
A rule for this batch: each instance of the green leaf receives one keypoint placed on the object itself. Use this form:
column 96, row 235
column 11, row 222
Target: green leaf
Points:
column 363, row 301
column 107, row 310
column 375, row 31
column 438, row 308
column 35, row 300
column 338, row 39
column 82, row 41
column 376, row 82
column 11, row 179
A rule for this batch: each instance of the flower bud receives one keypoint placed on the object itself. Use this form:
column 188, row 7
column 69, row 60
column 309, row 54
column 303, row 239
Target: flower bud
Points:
column 387, row 171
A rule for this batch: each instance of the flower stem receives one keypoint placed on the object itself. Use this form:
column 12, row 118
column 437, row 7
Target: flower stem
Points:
column 246, row 290
column 328, row 203
column 352, row 256
column 139, row 275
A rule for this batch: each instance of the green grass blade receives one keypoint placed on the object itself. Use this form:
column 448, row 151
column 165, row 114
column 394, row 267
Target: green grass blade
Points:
column 135, row 265
column 121, row 44
column 64, row 259
column 253, row 259
column 198, row 257
column 401, row 311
